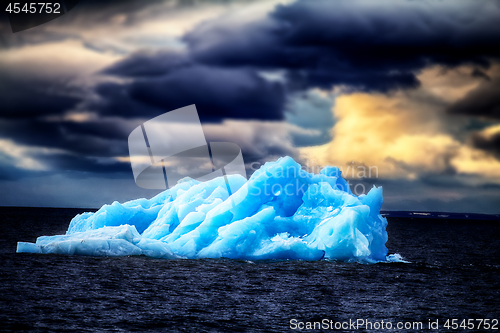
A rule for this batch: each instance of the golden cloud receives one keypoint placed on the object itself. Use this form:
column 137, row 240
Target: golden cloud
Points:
column 407, row 133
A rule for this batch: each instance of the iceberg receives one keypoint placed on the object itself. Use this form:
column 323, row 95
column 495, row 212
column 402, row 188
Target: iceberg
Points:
column 281, row 212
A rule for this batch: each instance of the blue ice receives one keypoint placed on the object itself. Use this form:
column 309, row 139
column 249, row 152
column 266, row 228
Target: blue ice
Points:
column 281, row 212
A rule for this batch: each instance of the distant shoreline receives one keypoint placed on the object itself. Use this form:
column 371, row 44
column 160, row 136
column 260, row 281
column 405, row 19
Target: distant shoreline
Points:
column 439, row 215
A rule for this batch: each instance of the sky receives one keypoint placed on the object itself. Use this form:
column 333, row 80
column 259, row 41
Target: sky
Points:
column 403, row 94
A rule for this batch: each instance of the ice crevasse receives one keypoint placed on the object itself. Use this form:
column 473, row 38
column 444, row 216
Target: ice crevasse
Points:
column 281, row 212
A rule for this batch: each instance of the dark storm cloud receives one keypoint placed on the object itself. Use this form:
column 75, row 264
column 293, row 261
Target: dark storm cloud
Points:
column 490, row 144
column 115, row 100
column 69, row 162
column 145, row 63
column 479, row 73
column 484, row 101
column 23, row 97
column 164, row 81
column 357, row 43
column 81, row 147
column 92, row 138
column 316, row 43
column 217, row 92
column 105, row 129
column 74, row 165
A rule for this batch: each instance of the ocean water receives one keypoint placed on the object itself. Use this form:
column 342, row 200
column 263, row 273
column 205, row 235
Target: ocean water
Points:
column 454, row 273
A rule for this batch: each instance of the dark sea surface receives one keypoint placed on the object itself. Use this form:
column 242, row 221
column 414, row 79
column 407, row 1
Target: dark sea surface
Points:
column 453, row 274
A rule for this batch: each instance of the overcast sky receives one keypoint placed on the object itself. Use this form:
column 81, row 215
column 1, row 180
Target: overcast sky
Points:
column 408, row 88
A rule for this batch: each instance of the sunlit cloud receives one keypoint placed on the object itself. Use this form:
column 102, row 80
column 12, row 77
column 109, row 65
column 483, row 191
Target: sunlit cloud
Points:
column 20, row 156
column 408, row 134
